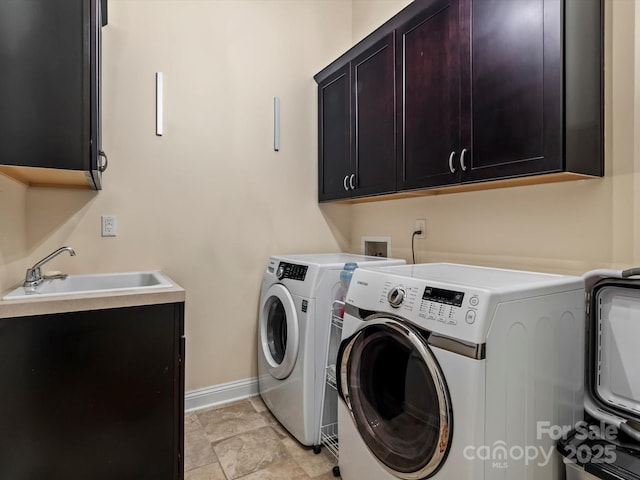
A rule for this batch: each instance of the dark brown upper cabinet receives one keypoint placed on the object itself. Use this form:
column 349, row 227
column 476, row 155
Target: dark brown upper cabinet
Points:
column 357, row 105
column 531, row 88
column 428, row 87
column 334, row 132
column 374, row 110
column 492, row 93
column 50, row 92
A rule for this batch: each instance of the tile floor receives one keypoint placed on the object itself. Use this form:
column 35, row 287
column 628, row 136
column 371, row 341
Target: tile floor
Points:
column 242, row 440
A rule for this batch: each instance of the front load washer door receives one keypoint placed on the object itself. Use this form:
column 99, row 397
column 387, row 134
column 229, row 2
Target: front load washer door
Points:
column 397, row 396
column 279, row 331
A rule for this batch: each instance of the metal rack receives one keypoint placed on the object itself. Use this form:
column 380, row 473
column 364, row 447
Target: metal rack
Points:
column 329, row 425
column 329, row 438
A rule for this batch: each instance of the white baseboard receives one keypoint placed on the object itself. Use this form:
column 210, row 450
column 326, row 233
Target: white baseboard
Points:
column 219, row 394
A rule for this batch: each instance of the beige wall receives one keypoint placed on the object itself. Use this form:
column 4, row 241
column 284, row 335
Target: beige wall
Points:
column 370, row 14
column 571, row 227
column 13, row 230
column 210, row 200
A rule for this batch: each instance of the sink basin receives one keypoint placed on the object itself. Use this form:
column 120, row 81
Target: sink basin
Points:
column 94, row 283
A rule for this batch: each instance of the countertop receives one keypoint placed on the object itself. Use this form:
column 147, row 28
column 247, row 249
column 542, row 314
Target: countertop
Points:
column 90, row 301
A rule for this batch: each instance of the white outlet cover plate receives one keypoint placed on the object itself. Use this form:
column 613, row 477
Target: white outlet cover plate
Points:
column 421, row 224
column 108, row 225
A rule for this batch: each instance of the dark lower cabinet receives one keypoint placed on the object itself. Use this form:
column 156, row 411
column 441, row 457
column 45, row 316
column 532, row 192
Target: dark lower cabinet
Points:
column 487, row 92
column 93, row 395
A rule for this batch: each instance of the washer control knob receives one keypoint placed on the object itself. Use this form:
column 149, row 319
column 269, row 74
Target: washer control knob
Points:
column 280, row 271
column 396, row 296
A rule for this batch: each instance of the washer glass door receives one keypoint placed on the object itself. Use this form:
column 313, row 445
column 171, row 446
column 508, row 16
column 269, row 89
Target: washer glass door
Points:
column 279, row 331
column 397, row 397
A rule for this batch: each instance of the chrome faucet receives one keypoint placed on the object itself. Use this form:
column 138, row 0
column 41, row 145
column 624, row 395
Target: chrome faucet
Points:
column 33, row 277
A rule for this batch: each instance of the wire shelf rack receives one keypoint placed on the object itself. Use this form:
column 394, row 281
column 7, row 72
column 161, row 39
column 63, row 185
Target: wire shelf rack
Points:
column 329, row 437
column 329, row 426
column 331, row 376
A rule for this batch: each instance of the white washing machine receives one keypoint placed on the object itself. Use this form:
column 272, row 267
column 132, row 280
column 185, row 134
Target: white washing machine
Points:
column 293, row 332
column 458, row 372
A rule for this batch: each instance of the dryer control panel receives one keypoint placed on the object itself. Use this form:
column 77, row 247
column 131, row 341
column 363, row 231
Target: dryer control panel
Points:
column 432, row 306
column 442, row 305
column 440, row 295
column 292, row 271
column 451, row 300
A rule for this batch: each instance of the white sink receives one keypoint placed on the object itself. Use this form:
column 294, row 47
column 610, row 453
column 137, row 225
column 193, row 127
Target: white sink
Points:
column 93, row 283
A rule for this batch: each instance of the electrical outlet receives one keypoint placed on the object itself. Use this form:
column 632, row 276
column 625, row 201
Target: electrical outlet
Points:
column 421, row 224
column 108, row 225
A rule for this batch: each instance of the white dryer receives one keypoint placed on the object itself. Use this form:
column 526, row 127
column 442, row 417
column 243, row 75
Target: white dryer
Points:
column 458, row 372
column 293, row 333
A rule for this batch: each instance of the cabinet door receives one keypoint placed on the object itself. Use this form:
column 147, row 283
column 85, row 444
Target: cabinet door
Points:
column 44, row 117
column 428, row 113
column 49, row 86
column 334, row 136
column 512, row 87
column 373, row 97
column 93, row 395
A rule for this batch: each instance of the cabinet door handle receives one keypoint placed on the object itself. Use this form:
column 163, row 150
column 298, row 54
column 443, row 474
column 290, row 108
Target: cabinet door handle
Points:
column 462, row 165
column 103, row 166
column 451, row 167
column 344, row 182
column 351, row 179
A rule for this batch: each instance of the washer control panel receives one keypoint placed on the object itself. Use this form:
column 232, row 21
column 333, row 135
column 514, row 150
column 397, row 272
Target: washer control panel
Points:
column 292, row 271
column 440, row 295
column 434, row 304
column 442, row 305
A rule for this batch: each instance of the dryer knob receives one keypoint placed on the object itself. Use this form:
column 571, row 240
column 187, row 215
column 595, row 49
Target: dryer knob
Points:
column 280, row 271
column 396, row 296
